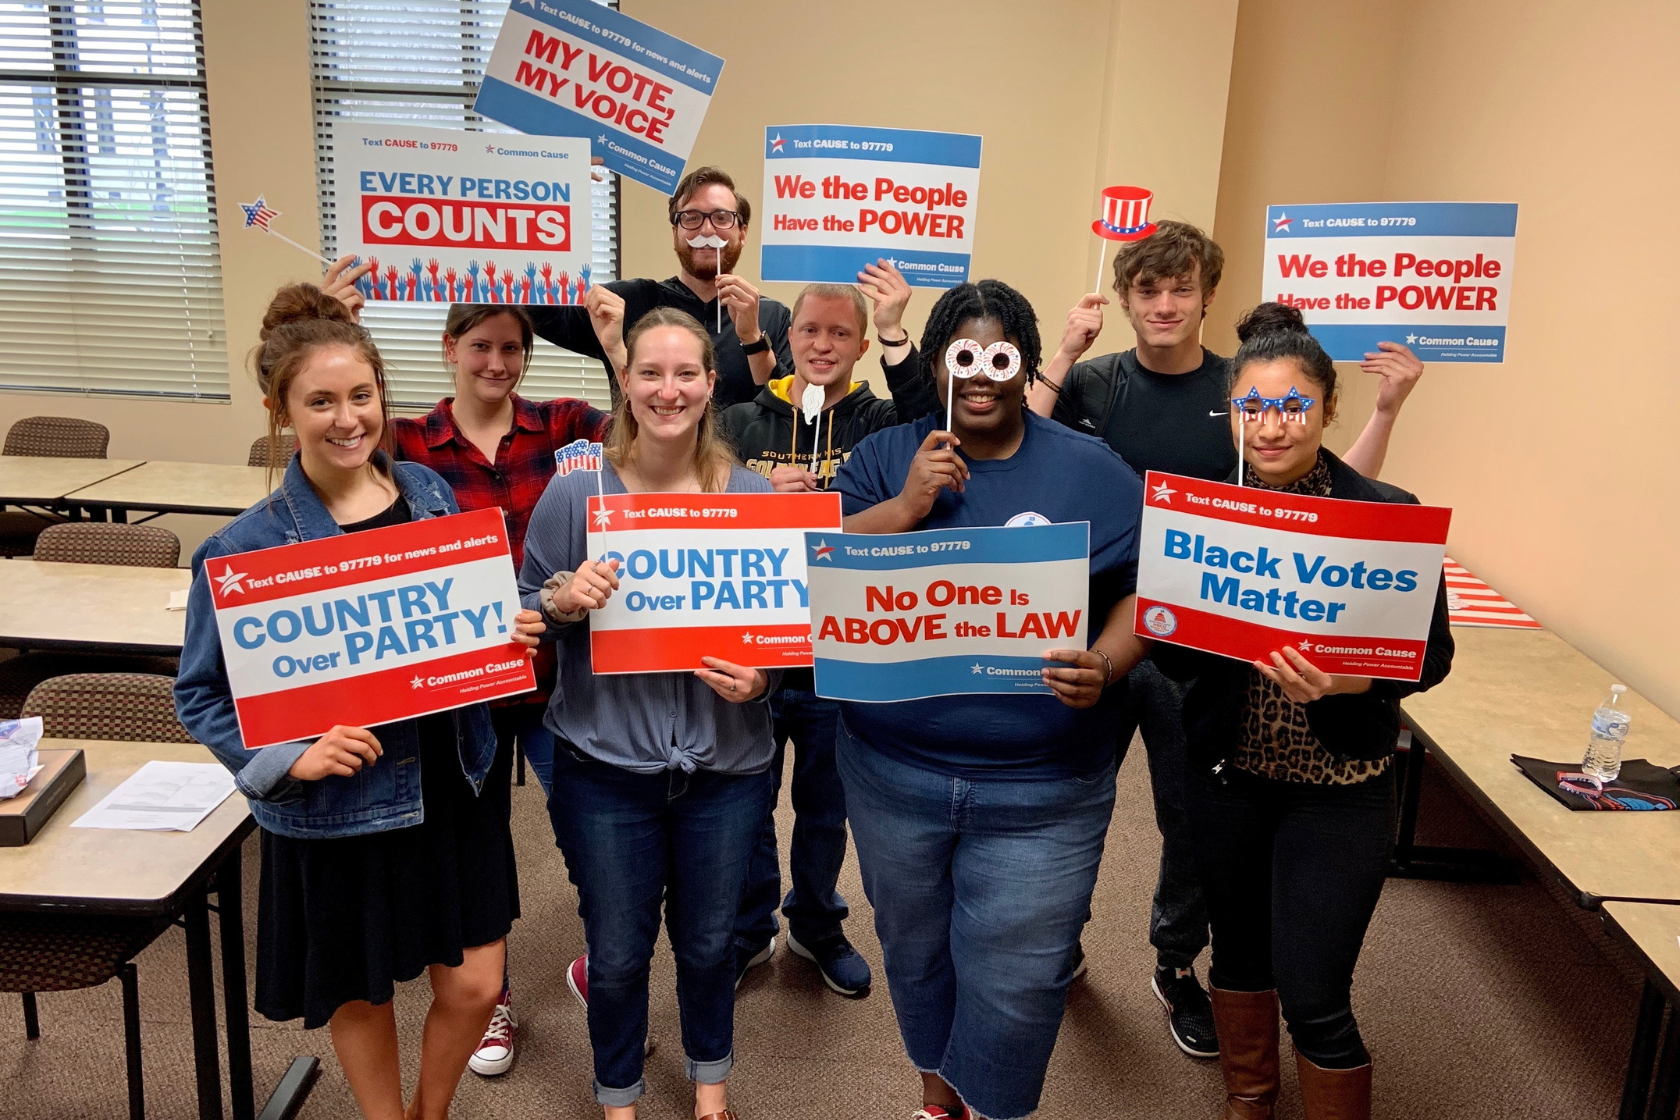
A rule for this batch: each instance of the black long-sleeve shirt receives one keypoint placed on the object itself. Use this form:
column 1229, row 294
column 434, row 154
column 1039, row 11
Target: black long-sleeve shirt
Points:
column 569, row 327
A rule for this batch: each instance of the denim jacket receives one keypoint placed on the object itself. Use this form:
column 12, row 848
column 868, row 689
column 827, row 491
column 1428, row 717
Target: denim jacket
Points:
column 374, row 799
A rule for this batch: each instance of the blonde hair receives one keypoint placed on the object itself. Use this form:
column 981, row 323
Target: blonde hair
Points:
column 300, row 320
column 713, row 459
column 847, row 292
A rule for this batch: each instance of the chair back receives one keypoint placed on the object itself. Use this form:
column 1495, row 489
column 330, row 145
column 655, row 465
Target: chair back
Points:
column 57, row 437
column 259, row 451
column 135, row 707
column 98, row 542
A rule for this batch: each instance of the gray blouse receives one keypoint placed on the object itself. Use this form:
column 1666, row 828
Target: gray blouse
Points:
column 642, row 722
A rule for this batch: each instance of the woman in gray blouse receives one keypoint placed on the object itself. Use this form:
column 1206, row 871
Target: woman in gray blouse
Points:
column 661, row 780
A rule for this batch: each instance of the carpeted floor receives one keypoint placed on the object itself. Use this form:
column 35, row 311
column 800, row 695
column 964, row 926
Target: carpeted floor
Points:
column 1478, row 1002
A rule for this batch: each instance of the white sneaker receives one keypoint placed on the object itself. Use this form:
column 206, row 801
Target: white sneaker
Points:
column 495, row 1050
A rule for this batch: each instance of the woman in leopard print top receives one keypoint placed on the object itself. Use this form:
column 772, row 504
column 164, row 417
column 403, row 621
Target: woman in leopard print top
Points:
column 1292, row 787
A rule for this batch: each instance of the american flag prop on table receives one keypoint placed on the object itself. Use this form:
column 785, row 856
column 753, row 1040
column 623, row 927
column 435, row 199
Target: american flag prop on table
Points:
column 1471, row 602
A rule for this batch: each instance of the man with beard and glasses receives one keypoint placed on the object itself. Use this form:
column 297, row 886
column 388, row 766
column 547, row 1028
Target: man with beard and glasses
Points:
column 708, row 231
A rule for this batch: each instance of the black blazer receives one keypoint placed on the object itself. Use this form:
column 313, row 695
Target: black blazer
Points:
column 1362, row 726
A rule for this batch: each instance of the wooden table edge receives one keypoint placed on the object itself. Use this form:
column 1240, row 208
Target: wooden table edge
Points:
column 37, row 499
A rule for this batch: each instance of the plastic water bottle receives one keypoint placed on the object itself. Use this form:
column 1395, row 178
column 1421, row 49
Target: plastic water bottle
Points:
column 1609, row 732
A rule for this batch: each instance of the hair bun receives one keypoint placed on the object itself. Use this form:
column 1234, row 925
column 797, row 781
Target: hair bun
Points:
column 301, row 303
column 1270, row 318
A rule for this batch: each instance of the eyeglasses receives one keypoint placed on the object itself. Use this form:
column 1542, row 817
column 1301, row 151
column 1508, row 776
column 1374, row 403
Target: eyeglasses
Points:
column 965, row 358
column 1293, row 408
column 694, row 219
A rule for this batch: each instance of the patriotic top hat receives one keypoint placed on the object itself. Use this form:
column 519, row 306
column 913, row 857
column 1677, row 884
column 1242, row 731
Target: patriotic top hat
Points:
column 1125, row 214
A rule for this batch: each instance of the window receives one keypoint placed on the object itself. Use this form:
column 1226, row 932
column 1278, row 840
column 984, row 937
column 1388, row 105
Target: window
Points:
column 420, row 62
column 110, row 276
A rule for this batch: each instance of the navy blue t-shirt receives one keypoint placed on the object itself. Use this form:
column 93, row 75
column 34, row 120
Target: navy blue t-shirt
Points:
column 1062, row 476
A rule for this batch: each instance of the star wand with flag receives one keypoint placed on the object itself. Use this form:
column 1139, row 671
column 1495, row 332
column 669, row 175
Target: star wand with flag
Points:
column 260, row 214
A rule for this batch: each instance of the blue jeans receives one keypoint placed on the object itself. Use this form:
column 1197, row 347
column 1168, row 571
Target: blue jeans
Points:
column 981, row 889
column 525, row 723
column 812, row 907
column 632, row 841
column 1178, row 916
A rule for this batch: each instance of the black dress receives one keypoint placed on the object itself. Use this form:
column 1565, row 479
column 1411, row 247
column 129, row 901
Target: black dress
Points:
column 346, row 919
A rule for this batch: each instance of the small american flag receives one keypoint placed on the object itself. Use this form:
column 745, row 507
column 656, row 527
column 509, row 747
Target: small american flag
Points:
column 579, row 455
column 259, row 214
column 1471, row 602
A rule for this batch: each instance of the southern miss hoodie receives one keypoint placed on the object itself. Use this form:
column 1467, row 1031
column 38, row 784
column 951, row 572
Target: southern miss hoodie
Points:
column 770, row 431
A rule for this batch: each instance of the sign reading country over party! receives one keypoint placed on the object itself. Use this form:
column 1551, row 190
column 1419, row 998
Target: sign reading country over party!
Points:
column 1433, row 275
column 838, row 197
column 1243, row 572
column 946, row 611
column 705, row 575
column 365, row 628
column 467, row 217
column 576, row 68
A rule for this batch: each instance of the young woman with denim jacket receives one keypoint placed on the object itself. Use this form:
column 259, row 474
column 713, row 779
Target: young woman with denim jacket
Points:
column 661, row 780
column 375, row 842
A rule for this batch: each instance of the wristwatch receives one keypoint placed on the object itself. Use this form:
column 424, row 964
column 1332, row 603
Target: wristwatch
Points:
column 758, row 347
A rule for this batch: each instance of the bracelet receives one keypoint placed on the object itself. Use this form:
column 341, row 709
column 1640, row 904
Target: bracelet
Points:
column 1050, row 385
column 1108, row 677
column 905, row 341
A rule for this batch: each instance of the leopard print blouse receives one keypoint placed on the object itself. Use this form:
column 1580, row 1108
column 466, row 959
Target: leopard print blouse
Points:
column 1276, row 740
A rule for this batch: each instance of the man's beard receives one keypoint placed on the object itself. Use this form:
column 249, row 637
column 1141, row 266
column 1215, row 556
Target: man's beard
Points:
column 704, row 268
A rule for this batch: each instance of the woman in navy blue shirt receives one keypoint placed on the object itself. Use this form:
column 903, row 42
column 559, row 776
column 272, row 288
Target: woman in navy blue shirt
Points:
column 979, row 824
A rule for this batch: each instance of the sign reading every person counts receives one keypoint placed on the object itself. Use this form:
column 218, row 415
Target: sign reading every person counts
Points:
column 576, row 68
column 1243, row 572
column 704, row 575
column 365, row 628
column 947, row 611
column 1433, row 275
column 469, row 217
column 837, row 197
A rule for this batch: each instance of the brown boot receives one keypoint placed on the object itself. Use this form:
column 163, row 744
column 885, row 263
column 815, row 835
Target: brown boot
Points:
column 1247, row 1023
column 1334, row 1094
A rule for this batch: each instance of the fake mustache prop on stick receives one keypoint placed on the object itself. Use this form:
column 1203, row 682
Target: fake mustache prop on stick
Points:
column 810, row 403
column 715, row 243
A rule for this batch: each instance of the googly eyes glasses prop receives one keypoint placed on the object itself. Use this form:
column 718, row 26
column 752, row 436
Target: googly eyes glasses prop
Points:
column 966, row 358
column 1293, row 407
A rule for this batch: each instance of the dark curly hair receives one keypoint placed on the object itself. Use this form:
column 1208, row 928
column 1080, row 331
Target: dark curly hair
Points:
column 989, row 299
column 1272, row 332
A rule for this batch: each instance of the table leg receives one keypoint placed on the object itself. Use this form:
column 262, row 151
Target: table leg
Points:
column 230, row 914
column 31, row 1017
column 1647, row 1030
column 1420, row 861
column 293, row 1089
column 130, row 978
column 1665, row 1094
column 201, row 993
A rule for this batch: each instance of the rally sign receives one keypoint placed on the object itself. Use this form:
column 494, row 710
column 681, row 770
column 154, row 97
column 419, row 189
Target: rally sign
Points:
column 366, row 628
column 1243, row 572
column 1433, row 275
column 468, row 217
column 946, row 612
column 577, row 68
column 704, row 575
column 837, row 197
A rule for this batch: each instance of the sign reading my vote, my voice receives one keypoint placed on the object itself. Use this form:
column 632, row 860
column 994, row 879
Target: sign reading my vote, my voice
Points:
column 945, row 612
column 366, row 628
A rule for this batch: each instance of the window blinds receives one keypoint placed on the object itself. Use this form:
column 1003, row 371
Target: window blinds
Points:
column 419, row 62
column 110, row 276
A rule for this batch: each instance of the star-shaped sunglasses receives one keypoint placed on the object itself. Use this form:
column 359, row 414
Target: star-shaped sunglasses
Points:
column 1293, row 407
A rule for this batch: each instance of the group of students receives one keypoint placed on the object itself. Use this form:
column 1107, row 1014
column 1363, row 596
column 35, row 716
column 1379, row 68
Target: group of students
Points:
column 979, row 821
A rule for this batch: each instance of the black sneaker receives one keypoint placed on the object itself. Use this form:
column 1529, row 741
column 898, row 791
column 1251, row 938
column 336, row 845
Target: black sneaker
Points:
column 748, row 959
column 1078, row 963
column 842, row 969
column 1189, row 1014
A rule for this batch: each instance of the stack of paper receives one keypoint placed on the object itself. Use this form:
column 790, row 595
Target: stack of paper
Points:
column 162, row 797
column 19, row 760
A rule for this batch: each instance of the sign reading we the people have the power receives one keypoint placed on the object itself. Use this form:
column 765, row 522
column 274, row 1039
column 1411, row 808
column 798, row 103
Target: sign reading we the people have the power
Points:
column 1243, row 572
column 365, row 628
column 1435, row 276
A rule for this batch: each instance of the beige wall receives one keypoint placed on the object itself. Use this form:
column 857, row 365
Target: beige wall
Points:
column 1070, row 95
column 1556, row 464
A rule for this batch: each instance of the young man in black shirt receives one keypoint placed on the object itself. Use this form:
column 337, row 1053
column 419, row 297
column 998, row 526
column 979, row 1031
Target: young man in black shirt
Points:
column 750, row 337
column 1166, row 406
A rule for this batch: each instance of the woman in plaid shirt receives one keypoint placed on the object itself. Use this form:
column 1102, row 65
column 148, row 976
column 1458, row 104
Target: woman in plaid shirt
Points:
column 497, row 449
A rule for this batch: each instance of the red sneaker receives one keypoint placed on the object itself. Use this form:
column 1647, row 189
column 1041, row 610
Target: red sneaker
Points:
column 577, row 979
column 495, row 1050
column 935, row 1112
